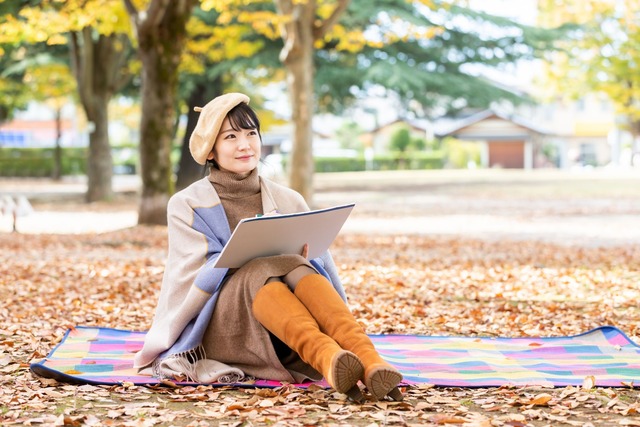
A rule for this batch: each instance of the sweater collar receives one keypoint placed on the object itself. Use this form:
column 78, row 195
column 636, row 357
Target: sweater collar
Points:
column 231, row 185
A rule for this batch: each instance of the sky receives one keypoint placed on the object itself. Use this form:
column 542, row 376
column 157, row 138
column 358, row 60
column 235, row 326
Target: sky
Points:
column 523, row 11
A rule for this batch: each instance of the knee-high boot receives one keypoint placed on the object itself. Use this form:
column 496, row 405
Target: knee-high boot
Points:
column 280, row 312
column 335, row 320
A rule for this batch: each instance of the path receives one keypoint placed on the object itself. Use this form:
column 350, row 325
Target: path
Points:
column 598, row 207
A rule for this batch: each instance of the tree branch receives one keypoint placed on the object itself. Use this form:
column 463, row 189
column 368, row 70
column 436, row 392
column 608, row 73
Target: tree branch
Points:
column 75, row 56
column 288, row 29
column 122, row 57
column 156, row 11
column 81, row 61
column 320, row 31
column 147, row 18
column 131, row 9
column 284, row 8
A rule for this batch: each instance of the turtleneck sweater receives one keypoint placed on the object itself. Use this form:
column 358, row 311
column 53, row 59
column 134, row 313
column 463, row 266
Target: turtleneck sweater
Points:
column 240, row 195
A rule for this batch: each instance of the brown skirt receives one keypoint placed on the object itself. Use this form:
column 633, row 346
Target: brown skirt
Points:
column 236, row 338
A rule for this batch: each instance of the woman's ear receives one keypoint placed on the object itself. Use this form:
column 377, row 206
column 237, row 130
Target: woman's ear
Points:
column 210, row 156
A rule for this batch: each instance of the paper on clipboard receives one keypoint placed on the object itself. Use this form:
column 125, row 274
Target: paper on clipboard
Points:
column 283, row 234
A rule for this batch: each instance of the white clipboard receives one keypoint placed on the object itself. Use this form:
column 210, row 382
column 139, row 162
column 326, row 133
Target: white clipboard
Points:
column 283, row 234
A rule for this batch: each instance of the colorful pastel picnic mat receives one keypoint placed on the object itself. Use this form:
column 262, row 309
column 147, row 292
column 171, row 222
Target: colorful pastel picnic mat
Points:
column 105, row 356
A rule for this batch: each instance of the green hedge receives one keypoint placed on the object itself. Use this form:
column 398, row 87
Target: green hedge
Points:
column 414, row 161
column 39, row 162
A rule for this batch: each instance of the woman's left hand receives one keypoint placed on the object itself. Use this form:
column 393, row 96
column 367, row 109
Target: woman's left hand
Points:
column 305, row 250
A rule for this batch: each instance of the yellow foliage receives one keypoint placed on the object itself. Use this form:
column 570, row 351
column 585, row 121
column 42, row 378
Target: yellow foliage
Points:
column 603, row 60
column 348, row 40
column 215, row 44
column 51, row 83
column 51, row 19
column 56, row 39
column 226, row 5
column 325, row 10
column 264, row 22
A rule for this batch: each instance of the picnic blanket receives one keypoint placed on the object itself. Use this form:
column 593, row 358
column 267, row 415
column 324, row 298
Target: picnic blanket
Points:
column 89, row 355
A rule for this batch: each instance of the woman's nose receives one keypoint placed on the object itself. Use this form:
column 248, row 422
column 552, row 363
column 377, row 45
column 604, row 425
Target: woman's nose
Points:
column 243, row 143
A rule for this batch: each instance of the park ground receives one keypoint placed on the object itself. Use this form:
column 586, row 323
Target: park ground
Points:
column 484, row 252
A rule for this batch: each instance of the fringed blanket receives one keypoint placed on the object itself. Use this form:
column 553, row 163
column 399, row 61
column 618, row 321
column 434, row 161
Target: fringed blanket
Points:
column 105, row 356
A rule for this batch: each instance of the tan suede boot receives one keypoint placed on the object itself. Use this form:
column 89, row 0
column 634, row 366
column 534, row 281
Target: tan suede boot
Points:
column 279, row 311
column 335, row 320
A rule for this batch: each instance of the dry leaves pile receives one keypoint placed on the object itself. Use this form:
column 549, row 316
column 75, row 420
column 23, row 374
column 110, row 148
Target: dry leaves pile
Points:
column 399, row 284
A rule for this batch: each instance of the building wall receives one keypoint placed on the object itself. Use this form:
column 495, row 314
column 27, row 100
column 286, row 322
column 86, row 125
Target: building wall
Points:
column 581, row 129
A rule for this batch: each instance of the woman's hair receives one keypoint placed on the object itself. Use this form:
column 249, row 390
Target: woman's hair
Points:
column 241, row 117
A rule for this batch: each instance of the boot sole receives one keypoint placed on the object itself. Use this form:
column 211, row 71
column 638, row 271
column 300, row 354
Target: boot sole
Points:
column 382, row 381
column 346, row 370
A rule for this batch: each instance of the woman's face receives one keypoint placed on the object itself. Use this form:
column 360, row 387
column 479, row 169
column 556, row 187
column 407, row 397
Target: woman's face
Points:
column 236, row 151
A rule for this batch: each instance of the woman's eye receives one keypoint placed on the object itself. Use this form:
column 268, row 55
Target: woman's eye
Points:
column 229, row 136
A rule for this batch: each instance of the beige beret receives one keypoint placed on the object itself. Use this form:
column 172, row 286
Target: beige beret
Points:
column 211, row 117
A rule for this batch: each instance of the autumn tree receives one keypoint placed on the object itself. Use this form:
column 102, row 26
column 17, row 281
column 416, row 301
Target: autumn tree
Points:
column 43, row 75
column 14, row 94
column 424, row 52
column 430, row 55
column 160, row 32
column 95, row 32
column 304, row 24
column 219, row 56
column 602, row 55
column 52, row 84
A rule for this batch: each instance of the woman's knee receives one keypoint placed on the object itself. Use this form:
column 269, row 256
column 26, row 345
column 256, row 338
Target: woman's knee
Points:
column 293, row 277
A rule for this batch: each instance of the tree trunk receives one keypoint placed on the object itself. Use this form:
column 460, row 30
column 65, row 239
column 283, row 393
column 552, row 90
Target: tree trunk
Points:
column 297, row 57
column 97, row 65
column 155, row 137
column 300, row 82
column 57, row 151
column 189, row 171
column 301, row 29
column 634, row 128
column 99, row 162
column 160, row 41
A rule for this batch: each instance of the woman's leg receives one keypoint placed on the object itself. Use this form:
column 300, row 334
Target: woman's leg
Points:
column 334, row 318
column 281, row 313
column 293, row 277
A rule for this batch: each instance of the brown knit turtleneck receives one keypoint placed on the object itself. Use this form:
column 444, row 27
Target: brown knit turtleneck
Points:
column 240, row 196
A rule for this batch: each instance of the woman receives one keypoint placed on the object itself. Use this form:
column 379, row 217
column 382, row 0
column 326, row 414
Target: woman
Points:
column 282, row 317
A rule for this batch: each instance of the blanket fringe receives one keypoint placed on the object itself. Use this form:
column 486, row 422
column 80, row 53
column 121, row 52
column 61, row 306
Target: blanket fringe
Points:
column 178, row 364
column 193, row 366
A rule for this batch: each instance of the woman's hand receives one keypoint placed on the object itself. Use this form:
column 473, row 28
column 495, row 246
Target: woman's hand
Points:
column 305, row 250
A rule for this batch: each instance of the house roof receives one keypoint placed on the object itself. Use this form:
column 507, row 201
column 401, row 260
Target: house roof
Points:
column 461, row 124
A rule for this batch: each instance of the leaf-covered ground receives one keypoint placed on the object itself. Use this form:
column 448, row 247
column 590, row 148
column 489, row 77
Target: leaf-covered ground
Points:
column 397, row 283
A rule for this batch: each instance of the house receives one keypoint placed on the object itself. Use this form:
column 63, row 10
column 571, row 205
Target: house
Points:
column 585, row 131
column 506, row 141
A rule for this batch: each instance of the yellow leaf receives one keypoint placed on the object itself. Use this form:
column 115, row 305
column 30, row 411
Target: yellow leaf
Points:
column 541, row 399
